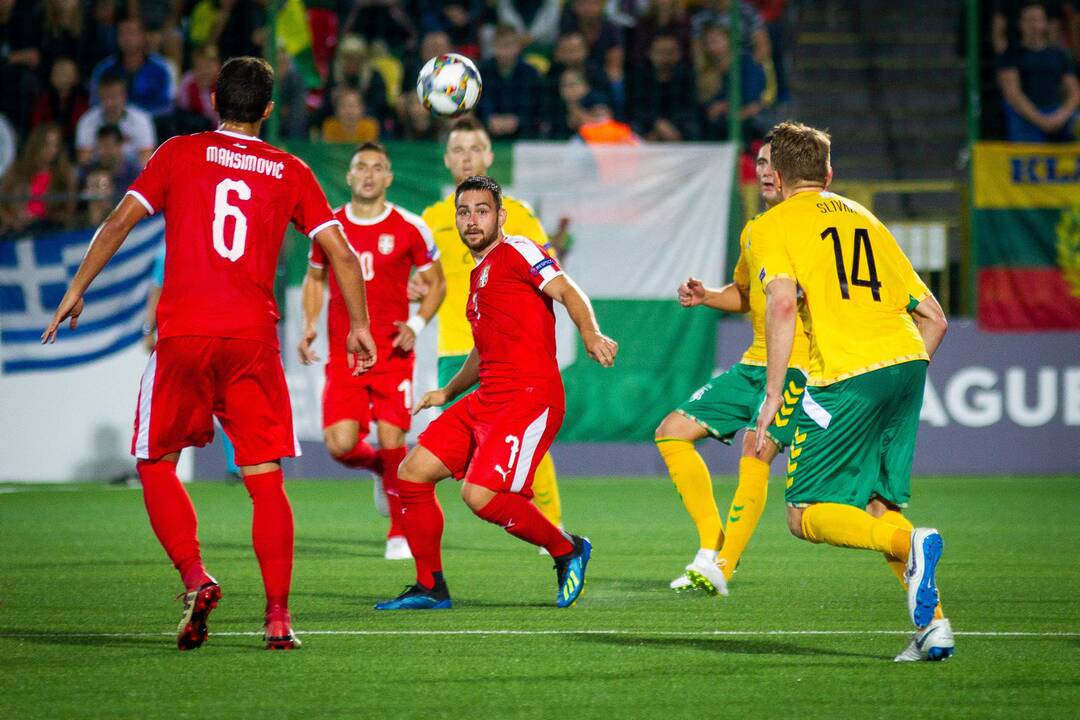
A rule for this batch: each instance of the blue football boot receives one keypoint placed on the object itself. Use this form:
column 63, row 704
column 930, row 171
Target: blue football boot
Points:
column 570, row 572
column 418, row 597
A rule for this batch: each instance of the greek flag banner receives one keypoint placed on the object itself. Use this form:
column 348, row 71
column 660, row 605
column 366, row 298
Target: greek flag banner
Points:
column 35, row 272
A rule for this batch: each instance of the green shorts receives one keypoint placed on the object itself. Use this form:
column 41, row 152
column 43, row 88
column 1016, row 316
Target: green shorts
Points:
column 856, row 438
column 731, row 400
column 449, row 365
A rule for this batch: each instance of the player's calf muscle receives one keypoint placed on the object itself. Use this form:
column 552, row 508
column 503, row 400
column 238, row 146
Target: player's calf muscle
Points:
column 794, row 521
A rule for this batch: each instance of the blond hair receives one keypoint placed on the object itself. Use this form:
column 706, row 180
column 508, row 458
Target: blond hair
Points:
column 800, row 153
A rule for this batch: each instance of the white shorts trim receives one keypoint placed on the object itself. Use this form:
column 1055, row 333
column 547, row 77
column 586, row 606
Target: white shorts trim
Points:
column 530, row 439
column 146, row 397
column 817, row 413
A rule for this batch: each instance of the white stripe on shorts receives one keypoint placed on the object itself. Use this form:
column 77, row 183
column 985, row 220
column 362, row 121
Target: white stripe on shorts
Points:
column 146, row 395
column 529, row 441
column 817, row 413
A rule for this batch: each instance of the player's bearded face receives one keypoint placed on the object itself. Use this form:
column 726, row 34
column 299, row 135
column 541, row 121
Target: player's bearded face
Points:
column 478, row 220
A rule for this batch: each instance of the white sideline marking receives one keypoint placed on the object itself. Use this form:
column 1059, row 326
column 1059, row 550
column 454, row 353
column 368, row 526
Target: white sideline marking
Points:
column 644, row 633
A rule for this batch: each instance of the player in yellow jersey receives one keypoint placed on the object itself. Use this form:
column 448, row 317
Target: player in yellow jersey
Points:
column 873, row 327
column 468, row 153
column 723, row 406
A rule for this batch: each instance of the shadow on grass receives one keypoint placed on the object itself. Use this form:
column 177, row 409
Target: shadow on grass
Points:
column 733, row 646
column 165, row 643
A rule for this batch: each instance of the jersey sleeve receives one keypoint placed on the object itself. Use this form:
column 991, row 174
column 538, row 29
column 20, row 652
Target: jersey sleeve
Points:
column 768, row 253
column 151, row 188
column 422, row 249
column 312, row 212
column 741, row 276
column 537, row 266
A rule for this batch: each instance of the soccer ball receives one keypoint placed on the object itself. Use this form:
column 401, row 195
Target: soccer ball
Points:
column 449, row 85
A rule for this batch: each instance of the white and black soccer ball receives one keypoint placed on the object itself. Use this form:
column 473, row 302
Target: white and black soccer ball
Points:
column 449, row 85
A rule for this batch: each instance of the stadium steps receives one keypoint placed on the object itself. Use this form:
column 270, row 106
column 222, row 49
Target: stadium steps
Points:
column 886, row 80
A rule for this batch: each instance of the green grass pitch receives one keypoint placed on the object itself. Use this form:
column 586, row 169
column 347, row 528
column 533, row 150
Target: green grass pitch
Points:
column 807, row 632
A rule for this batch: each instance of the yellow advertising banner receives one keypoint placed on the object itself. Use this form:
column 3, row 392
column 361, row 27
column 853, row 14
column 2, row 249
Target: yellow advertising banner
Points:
column 1026, row 175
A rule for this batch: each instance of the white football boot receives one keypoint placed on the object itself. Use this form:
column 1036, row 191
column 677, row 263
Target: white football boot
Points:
column 681, row 583
column 397, row 548
column 934, row 642
column 706, row 574
column 922, row 592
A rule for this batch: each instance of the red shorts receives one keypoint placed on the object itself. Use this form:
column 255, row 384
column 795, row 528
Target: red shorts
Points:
column 494, row 445
column 382, row 393
column 190, row 380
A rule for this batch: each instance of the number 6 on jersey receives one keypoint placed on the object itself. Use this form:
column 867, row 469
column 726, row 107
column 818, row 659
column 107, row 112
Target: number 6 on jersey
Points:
column 222, row 210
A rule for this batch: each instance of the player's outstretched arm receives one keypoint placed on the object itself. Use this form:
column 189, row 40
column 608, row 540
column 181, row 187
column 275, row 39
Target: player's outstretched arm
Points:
column 931, row 321
column 359, row 343
column 311, row 296
column 600, row 347
column 434, row 281
column 466, row 377
column 780, row 301
column 732, row 298
column 107, row 240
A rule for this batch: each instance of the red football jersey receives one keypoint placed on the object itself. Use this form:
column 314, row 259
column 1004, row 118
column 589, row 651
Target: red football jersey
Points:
column 227, row 200
column 389, row 247
column 513, row 323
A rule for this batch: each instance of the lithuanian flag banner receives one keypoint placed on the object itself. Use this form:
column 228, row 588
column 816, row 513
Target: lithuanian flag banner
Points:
column 294, row 32
column 1026, row 223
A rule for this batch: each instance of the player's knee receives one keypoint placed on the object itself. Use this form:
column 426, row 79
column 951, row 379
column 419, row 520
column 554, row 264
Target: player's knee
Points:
column 669, row 427
column 475, row 497
column 408, row 470
column 339, row 444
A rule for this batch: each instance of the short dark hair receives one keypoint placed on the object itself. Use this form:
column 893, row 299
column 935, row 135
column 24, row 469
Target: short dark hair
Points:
column 110, row 77
column 800, row 153
column 110, row 130
column 479, row 182
column 371, row 146
column 245, row 85
column 468, row 124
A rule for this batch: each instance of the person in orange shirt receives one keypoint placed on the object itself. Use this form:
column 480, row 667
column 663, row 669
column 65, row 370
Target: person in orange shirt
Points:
column 600, row 126
column 349, row 124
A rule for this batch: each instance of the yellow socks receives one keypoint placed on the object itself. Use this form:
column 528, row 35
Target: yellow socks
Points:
column 847, row 526
column 746, row 509
column 691, row 477
column 546, row 491
column 899, row 567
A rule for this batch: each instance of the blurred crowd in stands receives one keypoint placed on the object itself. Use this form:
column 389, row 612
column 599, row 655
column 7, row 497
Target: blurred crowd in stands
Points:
column 91, row 87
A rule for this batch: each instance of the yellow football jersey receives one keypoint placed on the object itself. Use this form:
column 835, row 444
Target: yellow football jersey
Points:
column 455, row 336
column 856, row 285
column 755, row 354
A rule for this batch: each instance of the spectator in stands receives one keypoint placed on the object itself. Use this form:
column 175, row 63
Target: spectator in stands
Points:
column 291, row 105
column 433, row 43
column 754, row 34
column 98, row 196
column 662, row 99
column 666, row 17
column 511, row 106
column 161, row 20
column 353, row 69
column 599, row 127
column 101, row 31
column 562, row 119
column 109, row 156
column 136, row 125
column 349, row 123
column 20, row 59
column 1039, row 84
column 572, row 53
column 772, row 12
column 1005, row 22
column 39, row 189
column 151, row 83
column 236, row 27
column 460, row 19
column 415, row 122
column 537, row 21
column 712, row 62
column 385, row 20
column 7, row 144
column 65, row 35
column 63, row 102
column 602, row 37
column 194, row 110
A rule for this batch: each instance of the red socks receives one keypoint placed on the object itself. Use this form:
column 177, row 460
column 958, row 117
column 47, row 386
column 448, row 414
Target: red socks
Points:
column 362, row 457
column 422, row 520
column 519, row 517
column 390, row 459
column 272, row 534
column 172, row 517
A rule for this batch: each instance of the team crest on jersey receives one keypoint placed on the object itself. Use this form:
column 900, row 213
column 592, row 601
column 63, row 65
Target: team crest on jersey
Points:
column 484, row 276
column 386, row 243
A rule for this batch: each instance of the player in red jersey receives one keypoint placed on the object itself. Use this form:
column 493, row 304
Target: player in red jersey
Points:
column 495, row 437
column 227, row 198
column 390, row 242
